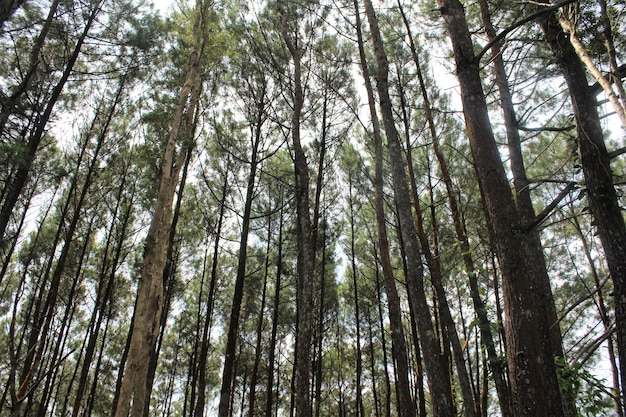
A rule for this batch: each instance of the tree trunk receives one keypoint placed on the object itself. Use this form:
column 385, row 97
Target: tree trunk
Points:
column 534, row 383
column 305, row 236
column 16, row 183
column 359, row 409
column 258, row 353
column 596, row 166
column 405, row 402
column 434, row 266
column 441, row 397
column 272, row 348
column 233, row 327
column 198, row 410
column 150, row 290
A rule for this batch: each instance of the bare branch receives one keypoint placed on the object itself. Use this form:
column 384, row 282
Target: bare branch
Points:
column 548, row 209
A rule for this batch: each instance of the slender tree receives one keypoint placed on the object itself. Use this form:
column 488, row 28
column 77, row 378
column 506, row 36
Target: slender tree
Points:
column 405, row 402
column 150, row 291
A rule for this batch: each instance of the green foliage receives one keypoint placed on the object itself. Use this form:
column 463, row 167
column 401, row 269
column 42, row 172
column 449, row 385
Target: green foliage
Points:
column 591, row 393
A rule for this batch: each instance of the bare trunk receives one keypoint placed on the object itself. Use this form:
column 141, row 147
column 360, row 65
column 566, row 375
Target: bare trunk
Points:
column 405, row 402
column 534, row 384
column 272, row 349
column 233, row 327
column 149, row 303
column 305, row 235
column 596, row 166
column 441, row 397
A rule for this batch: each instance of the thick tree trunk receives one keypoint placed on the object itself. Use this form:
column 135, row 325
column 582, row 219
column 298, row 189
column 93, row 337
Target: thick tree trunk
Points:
column 523, row 199
column 169, row 280
column 534, row 383
column 596, row 166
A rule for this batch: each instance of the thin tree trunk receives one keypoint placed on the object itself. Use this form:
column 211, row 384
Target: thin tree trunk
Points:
column 441, row 397
column 604, row 316
column 272, row 348
column 7, row 7
column 258, row 353
column 169, row 278
column 372, row 364
column 610, row 49
column 103, row 295
column 16, row 183
column 405, row 402
column 578, row 46
column 201, row 388
column 233, row 327
column 150, row 290
column 359, row 409
column 305, row 236
column 318, row 354
column 42, row 320
column 432, row 260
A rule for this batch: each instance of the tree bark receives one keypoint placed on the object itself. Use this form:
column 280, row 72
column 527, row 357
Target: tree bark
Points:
column 150, row 289
column 405, row 402
column 524, row 202
column 596, row 166
column 534, row 383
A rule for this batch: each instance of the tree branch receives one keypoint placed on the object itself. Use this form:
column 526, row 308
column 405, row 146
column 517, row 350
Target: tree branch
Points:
column 519, row 23
column 548, row 209
column 617, row 152
column 611, row 76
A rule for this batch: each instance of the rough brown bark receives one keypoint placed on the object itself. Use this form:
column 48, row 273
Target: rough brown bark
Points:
column 534, row 384
column 596, row 166
column 497, row 370
column 524, row 202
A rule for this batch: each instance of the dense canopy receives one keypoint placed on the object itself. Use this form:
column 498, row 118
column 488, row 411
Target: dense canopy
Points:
column 312, row 208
